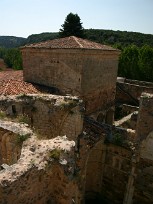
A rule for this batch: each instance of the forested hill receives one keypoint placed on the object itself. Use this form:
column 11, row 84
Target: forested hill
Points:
column 123, row 38
column 11, row 41
column 41, row 37
column 119, row 38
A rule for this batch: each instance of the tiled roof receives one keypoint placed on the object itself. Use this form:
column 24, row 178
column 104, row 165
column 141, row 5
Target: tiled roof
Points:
column 12, row 83
column 71, row 42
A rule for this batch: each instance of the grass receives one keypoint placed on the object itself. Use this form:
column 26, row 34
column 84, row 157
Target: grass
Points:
column 54, row 154
column 21, row 138
column 23, row 119
column 32, row 162
column 2, row 114
column 118, row 139
column 68, row 104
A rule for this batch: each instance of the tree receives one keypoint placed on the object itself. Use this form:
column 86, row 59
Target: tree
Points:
column 72, row 26
column 129, row 63
column 12, row 57
column 136, row 63
column 146, row 62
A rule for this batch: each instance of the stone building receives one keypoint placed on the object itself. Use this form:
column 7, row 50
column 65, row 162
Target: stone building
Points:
column 78, row 67
column 60, row 149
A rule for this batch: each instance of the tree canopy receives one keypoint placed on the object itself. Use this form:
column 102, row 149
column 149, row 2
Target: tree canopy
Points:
column 72, row 26
column 136, row 63
column 12, row 57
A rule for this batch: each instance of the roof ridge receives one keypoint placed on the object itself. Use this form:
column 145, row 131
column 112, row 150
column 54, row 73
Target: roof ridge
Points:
column 76, row 39
column 71, row 42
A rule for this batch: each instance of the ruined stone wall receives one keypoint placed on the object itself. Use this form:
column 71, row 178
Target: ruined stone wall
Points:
column 49, row 186
column 12, row 136
column 130, row 92
column 143, row 184
column 105, row 161
column 116, row 173
column 10, row 147
column 45, row 173
column 145, row 117
column 140, row 83
column 48, row 115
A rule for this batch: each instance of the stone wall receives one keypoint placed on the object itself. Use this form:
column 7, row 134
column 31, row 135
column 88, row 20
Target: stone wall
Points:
column 105, row 161
column 143, row 184
column 53, row 68
column 44, row 174
column 10, row 149
column 12, row 136
column 49, row 186
column 48, row 115
column 129, row 92
column 90, row 74
column 145, row 117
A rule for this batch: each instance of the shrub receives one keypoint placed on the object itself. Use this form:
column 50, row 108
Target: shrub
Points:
column 2, row 114
column 23, row 119
column 21, row 138
column 54, row 154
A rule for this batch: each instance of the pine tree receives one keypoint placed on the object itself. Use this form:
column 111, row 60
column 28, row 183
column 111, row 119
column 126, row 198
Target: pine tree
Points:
column 72, row 26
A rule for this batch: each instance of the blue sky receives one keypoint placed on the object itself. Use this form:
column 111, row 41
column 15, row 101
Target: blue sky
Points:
column 26, row 17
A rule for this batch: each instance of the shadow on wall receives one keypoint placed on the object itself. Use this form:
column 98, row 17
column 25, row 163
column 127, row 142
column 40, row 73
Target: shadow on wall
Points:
column 97, row 200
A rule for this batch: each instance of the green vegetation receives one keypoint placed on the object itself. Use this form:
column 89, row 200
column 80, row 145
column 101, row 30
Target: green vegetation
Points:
column 11, row 41
column 21, row 138
column 35, row 38
column 119, row 39
column 136, row 60
column 23, row 119
column 54, row 154
column 136, row 63
column 12, row 57
column 68, row 104
column 2, row 114
column 117, row 139
column 32, row 162
column 72, row 26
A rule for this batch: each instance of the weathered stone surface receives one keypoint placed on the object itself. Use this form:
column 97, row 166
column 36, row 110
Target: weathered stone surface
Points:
column 39, row 176
column 129, row 91
column 90, row 74
column 48, row 115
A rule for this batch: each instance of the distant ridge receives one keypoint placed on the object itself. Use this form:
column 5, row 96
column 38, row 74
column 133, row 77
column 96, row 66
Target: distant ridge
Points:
column 109, row 37
column 11, row 41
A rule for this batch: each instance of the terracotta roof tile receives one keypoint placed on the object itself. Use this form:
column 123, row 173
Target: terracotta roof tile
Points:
column 71, row 42
column 12, row 83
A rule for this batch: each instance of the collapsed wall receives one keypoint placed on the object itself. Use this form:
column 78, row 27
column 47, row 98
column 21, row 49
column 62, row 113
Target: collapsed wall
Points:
column 129, row 91
column 43, row 174
column 144, row 172
column 105, row 162
column 48, row 115
column 37, row 165
column 12, row 136
column 43, row 170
